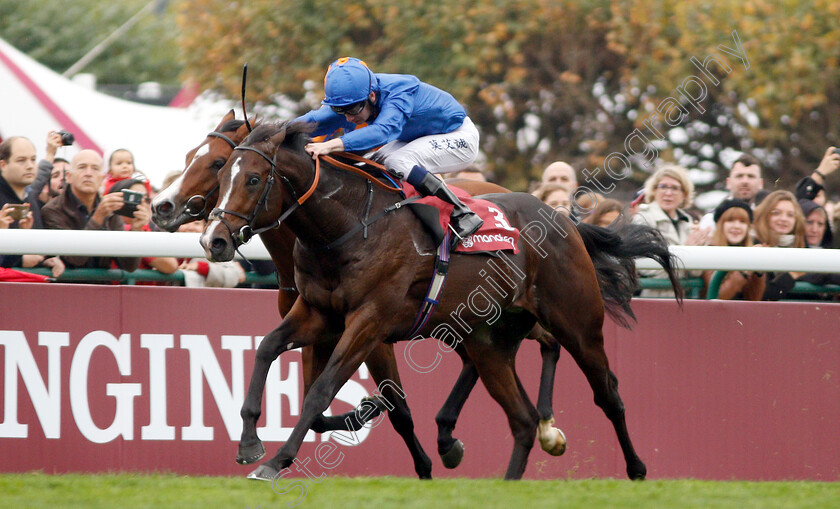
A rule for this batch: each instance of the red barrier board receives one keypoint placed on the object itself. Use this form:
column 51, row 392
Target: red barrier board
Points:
column 121, row 378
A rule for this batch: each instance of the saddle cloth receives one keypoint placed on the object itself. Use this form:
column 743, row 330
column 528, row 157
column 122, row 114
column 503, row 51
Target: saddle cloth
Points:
column 496, row 234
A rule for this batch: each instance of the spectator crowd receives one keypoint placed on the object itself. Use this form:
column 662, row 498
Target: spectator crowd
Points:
column 751, row 215
column 84, row 193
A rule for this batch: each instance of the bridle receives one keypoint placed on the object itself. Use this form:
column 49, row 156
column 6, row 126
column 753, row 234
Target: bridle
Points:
column 192, row 205
column 248, row 231
column 197, row 204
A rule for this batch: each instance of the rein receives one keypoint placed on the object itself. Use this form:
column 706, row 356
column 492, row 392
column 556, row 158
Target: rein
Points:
column 353, row 157
column 248, row 231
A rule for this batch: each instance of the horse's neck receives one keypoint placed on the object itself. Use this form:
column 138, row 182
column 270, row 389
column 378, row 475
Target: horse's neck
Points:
column 280, row 243
column 340, row 202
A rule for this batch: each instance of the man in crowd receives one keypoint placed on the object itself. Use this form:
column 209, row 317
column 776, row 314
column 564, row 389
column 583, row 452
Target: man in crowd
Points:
column 79, row 207
column 744, row 182
column 560, row 173
column 19, row 209
column 57, row 177
column 48, row 169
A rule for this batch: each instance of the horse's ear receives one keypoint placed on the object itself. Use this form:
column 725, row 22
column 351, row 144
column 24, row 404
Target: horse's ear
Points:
column 227, row 118
column 254, row 121
column 278, row 138
column 243, row 130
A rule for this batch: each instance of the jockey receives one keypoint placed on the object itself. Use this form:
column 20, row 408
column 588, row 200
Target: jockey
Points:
column 417, row 125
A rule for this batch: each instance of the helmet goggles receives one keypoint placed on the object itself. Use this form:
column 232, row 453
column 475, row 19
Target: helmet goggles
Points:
column 350, row 109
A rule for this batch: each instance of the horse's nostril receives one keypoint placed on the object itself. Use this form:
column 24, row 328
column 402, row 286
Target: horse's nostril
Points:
column 164, row 208
column 218, row 245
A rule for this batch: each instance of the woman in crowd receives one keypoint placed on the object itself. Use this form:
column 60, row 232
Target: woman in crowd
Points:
column 779, row 223
column 733, row 219
column 606, row 212
column 667, row 192
column 554, row 195
column 818, row 235
column 817, row 226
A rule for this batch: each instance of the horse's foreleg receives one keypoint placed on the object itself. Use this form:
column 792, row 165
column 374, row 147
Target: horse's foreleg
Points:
column 360, row 337
column 299, row 321
column 319, row 355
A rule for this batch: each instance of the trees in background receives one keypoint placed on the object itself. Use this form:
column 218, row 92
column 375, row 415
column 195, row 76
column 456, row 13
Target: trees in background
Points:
column 543, row 79
column 58, row 34
column 549, row 79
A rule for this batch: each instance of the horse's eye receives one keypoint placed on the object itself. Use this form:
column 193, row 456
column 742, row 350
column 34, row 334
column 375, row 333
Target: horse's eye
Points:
column 253, row 180
column 217, row 164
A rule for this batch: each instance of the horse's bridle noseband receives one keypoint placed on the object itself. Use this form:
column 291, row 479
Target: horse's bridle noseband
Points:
column 197, row 204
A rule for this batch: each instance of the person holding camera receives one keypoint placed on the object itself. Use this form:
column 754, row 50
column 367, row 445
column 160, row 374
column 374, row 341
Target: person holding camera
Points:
column 79, row 207
column 137, row 210
column 18, row 207
column 812, row 187
column 50, row 166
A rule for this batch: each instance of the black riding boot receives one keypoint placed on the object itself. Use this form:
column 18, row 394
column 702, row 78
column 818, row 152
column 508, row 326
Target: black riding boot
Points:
column 464, row 221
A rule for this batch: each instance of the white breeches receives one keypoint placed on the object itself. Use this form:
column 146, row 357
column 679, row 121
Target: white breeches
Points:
column 437, row 153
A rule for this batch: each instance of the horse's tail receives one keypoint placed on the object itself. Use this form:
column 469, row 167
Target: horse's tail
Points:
column 613, row 251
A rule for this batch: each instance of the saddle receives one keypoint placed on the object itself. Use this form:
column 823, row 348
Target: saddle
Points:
column 496, row 234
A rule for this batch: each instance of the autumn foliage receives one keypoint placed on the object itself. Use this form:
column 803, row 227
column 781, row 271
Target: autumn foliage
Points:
column 558, row 79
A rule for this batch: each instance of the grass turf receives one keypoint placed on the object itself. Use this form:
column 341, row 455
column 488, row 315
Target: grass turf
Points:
column 36, row 490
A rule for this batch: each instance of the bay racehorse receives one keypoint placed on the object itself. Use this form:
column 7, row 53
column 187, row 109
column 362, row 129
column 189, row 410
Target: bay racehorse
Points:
column 347, row 293
column 187, row 199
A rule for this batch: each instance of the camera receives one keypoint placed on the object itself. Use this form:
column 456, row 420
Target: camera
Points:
column 131, row 199
column 67, row 137
column 837, row 150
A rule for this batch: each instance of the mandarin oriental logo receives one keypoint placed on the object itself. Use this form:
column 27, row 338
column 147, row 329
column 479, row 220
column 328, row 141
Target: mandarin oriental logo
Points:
column 486, row 239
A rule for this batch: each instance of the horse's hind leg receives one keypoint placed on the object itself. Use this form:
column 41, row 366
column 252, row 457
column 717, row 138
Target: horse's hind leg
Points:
column 552, row 440
column 495, row 364
column 383, row 368
column 577, row 323
column 451, row 450
column 590, row 356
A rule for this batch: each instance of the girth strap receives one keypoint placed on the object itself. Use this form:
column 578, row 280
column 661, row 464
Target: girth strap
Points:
column 364, row 224
column 435, row 290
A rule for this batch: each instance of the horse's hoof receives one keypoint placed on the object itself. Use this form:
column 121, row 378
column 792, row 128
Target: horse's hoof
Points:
column 637, row 472
column 552, row 440
column 452, row 458
column 250, row 453
column 263, row 473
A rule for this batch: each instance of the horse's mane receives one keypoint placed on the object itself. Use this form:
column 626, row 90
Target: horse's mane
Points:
column 297, row 134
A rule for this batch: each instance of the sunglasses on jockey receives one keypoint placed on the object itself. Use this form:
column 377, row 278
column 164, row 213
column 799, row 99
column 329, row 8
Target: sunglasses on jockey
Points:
column 350, row 109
